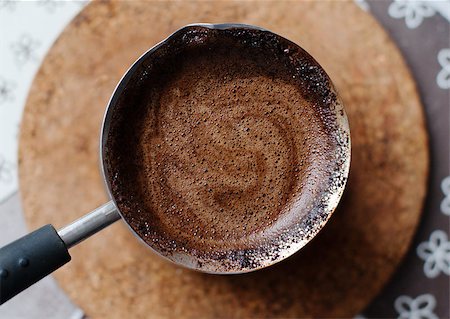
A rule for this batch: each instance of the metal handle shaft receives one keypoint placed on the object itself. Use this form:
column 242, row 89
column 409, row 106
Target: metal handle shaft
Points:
column 89, row 224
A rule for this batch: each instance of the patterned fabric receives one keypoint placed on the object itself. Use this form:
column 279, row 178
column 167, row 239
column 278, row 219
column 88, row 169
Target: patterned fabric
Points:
column 421, row 307
column 445, row 204
column 443, row 77
column 436, row 254
column 421, row 29
column 413, row 11
column 420, row 288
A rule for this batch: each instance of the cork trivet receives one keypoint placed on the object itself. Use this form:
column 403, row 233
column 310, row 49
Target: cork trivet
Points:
column 113, row 275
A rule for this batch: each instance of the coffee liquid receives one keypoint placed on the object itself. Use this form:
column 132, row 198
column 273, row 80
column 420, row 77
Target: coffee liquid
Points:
column 224, row 142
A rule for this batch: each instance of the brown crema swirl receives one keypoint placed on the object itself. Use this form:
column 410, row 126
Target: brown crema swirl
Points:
column 220, row 148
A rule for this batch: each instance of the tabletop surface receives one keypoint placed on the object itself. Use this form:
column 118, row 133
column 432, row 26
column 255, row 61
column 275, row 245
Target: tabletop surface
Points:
column 421, row 29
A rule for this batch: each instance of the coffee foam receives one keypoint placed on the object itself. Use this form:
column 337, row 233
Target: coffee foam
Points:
column 224, row 150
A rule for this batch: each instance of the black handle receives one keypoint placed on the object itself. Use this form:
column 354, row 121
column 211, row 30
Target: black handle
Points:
column 29, row 259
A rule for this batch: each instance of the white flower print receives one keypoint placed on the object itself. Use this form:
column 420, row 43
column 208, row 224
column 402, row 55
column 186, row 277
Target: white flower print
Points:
column 362, row 4
column 25, row 49
column 442, row 7
column 414, row 11
column 6, row 171
column 8, row 4
column 443, row 77
column 436, row 254
column 83, row 3
column 421, row 307
column 445, row 204
column 50, row 5
column 6, row 90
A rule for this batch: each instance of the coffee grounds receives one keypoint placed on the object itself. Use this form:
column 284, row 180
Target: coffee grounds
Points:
column 218, row 146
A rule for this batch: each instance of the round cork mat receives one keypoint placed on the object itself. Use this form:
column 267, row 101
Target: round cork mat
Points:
column 113, row 275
